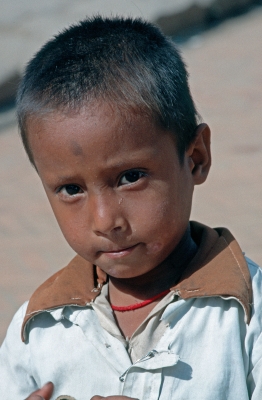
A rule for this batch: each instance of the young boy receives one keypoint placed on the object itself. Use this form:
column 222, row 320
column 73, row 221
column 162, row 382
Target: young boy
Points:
column 152, row 307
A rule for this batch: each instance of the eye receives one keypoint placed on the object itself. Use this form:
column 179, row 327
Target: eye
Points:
column 131, row 176
column 70, row 190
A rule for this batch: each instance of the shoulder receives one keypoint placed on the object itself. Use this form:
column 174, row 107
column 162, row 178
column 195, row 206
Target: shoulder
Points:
column 253, row 339
column 12, row 343
column 15, row 361
column 13, row 349
column 71, row 286
column 254, row 268
column 256, row 278
column 14, row 329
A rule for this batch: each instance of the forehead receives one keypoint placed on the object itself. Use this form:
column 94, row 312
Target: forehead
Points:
column 87, row 118
column 100, row 126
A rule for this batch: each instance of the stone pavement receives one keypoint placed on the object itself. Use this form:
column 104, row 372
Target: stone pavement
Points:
column 226, row 80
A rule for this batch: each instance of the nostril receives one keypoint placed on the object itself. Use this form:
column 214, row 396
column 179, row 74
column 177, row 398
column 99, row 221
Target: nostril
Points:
column 117, row 228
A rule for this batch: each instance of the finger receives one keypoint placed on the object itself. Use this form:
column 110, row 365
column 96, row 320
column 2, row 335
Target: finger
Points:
column 44, row 393
column 97, row 398
column 119, row 397
column 113, row 398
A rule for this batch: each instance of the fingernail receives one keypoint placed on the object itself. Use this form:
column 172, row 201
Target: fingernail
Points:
column 48, row 383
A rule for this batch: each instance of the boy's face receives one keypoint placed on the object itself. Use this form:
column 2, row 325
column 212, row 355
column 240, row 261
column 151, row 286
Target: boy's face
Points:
column 118, row 191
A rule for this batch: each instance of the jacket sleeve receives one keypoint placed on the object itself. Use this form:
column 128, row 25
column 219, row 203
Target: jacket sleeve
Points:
column 15, row 370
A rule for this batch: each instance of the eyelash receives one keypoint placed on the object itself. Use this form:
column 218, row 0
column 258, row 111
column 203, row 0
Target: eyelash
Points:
column 133, row 174
column 68, row 187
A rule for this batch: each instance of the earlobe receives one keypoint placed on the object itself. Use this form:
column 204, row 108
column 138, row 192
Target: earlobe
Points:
column 199, row 155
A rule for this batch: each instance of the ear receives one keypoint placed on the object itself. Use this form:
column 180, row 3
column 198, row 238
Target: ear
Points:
column 198, row 154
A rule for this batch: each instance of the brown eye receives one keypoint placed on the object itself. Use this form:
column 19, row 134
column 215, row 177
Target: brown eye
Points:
column 70, row 190
column 131, row 177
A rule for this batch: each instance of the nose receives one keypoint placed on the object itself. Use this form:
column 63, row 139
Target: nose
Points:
column 107, row 214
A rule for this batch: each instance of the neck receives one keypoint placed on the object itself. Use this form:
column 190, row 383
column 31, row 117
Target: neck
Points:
column 157, row 280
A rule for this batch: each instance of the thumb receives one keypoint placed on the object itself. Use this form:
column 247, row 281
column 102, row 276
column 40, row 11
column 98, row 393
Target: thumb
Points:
column 97, row 398
column 44, row 393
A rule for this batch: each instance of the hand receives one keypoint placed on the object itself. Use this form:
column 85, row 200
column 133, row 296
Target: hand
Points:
column 44, row 393
column 112, row 398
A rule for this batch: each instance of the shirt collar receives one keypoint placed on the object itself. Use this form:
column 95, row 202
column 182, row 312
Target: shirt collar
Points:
column 218, row 269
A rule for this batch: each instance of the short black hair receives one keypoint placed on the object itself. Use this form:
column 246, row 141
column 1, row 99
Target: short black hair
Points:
column 127, row 62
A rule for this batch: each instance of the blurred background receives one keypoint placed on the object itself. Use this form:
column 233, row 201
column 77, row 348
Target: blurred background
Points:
column 221, row 41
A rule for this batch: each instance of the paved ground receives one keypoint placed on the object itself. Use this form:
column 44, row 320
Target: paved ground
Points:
column 26, row 24
column 226, row 79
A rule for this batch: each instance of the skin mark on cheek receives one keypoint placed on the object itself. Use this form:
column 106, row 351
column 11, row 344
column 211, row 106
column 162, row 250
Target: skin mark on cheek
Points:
column 154, row 248
column 76, row 148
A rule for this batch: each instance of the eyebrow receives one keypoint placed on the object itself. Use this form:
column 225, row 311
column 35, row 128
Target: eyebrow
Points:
column 138, row 156
column 118, row 163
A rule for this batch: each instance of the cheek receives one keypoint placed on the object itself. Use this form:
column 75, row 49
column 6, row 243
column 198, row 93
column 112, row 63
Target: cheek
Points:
column 71, row 226
column 155, row 220
column 78, row 239
column 71, row 232
column 162, row 223
column 154, row 248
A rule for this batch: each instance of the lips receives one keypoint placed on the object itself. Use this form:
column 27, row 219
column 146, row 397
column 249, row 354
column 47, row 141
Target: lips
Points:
column 117, row 253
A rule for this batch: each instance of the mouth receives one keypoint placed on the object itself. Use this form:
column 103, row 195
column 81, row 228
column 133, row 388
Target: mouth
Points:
column 118, row 253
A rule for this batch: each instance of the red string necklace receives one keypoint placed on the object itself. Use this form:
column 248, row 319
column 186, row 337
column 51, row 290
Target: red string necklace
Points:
column 140, row 305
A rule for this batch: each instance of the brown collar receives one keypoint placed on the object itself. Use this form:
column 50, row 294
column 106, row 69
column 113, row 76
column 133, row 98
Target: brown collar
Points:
column 218, row 269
